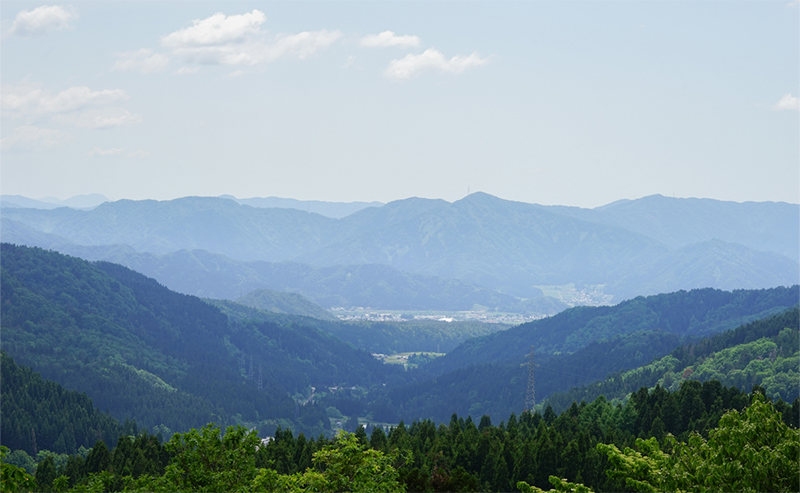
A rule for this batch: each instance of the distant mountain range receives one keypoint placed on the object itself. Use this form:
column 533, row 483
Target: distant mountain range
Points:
column 210, row 275
column 89, row 201
column 336, row 210
column 764, row 226
column 328, row 209
column 494, row 247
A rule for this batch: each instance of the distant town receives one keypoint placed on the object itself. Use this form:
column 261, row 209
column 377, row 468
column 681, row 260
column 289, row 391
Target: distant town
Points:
column 367, row 314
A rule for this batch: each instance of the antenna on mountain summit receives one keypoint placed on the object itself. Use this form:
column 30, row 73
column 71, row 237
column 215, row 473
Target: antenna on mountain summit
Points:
column 530, row 396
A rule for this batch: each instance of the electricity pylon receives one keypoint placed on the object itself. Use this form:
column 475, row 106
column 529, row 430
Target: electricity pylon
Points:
column 530, row 395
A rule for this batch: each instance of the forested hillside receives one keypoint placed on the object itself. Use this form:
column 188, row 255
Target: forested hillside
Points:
column 764, row 353
column 488, row 375
column 39, row 414
column 144, row 352
column 165, row 359
column 374, row 336
column 174, row 362
column 694, row 313
column 280, row 302
column 581, row 445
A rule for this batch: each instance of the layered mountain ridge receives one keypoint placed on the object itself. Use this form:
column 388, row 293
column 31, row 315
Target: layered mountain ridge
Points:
column 628, row 248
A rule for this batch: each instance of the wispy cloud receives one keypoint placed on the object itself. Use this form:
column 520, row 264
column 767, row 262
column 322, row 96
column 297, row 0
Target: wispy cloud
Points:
column 30, row 137
column 30, row 99
column 431, row 59
column 100, row 118
column 42, row 20
column 117, row 151
column 389, row 39
column 100, row 152
column 187, row 70
column 239, row 40
column 144, row 60
column 787, row 102
column 77, row 105
column 141, row 153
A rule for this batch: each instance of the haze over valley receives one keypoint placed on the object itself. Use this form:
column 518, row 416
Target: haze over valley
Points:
column 399, row 246
column 480, row 253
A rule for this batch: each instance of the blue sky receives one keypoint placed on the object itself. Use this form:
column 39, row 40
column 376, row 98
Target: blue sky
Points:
column 574, row 103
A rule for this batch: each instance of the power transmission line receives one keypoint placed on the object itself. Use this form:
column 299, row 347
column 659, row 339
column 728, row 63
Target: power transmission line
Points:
column 530, row 395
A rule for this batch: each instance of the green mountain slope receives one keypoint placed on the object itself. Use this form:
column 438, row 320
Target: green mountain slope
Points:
column 576, row 347
column 765, row 352
column 142, row 351
column 373, row 336
column 499, row 388
column 39, row 414
column 280, row 302
column 693, row 313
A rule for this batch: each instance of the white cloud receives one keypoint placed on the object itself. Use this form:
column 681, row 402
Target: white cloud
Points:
column 143, row 60
column 100, row 118
column 117, row 151
column 215, row 30
column 77, row 105
column 236, row 73
column 387, row 39
column 31, row 137
column 44, row 19
column 238, row 40
column 301, row 45
column 31, row 100
column 99, row 151
column 787, row 102
column 187, row 70
column 412, row 65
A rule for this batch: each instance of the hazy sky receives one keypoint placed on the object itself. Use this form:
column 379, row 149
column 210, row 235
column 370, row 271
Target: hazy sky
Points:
column 575, row 103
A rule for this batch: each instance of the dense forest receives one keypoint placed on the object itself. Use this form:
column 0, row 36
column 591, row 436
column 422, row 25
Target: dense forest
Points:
column 458, row 456
column 488, row 375
column 765, row 353
column 114, row 379
column 40, row 414
column 173, row 362
column 165, row 359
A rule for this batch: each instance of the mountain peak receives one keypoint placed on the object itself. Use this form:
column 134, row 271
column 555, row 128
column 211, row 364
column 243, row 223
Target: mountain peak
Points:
column 478, row 196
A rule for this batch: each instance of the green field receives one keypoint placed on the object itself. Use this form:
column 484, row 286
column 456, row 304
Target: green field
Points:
column 403, row 358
